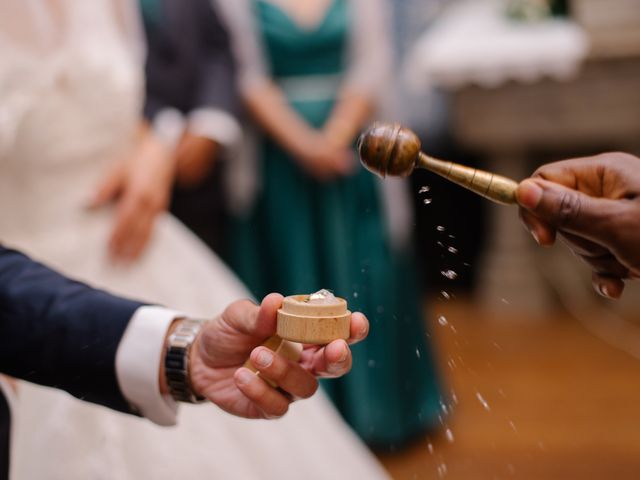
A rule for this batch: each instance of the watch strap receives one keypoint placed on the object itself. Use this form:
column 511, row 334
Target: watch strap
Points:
column 176, row 362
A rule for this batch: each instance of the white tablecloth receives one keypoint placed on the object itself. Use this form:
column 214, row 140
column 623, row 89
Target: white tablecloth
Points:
column 474, row 42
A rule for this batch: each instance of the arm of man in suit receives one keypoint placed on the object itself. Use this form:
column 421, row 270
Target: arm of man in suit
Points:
column 61, row 333
column 111, row 351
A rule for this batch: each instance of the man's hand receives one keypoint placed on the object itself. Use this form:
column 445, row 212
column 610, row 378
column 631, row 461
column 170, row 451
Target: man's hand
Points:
column 195, row 157
column 140, row 186
column 225, row 343
column 594, row 204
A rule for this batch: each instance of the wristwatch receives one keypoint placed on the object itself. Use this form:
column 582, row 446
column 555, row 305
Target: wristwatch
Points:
column 176, row 360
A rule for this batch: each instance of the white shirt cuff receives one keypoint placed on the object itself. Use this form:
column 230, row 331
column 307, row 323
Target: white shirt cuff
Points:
column 216, row 125
column 168, row 126
column 138, row 361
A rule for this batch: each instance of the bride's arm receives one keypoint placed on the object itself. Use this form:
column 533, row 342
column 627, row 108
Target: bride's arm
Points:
column 140, row 187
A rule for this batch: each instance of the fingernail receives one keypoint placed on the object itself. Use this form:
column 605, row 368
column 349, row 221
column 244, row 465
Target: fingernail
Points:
column 604, row 290
column 529, row 194
column 264, row 358
column 244, row 377
column 535, row 236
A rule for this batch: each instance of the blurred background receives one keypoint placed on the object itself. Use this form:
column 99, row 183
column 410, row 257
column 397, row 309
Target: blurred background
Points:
column 543, row 373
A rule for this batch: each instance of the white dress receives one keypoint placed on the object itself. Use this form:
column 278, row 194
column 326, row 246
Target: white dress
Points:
column 67, row 113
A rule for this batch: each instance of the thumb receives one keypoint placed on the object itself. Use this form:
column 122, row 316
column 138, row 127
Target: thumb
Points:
column 109, row 189
column 256, row 322
column 565, row 208
column 266, row 320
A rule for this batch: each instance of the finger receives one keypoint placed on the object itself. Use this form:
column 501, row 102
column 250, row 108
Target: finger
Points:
column 607, row 266
column 359, row 328
column 288, row 375
column 264, row 397
column 334, row 360
column 139, row 236
column 109, row 189
column 608, row 287
column 125, row 222
column 567, row 209
column 259, row 322
column 583, row 247
column 543, row 233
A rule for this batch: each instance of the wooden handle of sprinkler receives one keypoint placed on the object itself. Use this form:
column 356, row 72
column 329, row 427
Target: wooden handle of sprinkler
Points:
column 494, row 187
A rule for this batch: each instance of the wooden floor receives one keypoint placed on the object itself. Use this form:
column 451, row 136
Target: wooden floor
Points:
column 559, row 402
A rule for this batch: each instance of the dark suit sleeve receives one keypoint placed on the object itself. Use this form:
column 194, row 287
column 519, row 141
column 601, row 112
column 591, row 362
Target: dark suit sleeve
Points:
column 216, row 84
column 60, row 333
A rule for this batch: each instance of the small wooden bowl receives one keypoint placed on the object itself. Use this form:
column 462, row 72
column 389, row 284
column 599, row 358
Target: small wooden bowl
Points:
column 315, row 323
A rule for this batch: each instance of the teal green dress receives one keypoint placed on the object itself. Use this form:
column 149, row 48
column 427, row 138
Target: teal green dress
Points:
column 303, row 235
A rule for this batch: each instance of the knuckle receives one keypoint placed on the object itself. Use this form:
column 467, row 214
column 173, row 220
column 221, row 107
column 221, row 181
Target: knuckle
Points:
column 310, row 392
column 279, row 370
column 569, row 208
column 279, row 409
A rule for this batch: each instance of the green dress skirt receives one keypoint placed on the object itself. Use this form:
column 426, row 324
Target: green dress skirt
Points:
column 303, row 235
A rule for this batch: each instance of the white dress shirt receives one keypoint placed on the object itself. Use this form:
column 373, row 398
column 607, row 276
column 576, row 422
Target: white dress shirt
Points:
column 138, row 361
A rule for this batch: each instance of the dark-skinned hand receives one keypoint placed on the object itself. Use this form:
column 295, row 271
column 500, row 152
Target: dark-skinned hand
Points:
column 593, row 205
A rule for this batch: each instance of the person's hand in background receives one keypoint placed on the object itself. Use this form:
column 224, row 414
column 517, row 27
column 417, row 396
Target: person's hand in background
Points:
column 140, row 187
column 224, row 344
column 594, row 205
column 195, row 159
column 323, row 159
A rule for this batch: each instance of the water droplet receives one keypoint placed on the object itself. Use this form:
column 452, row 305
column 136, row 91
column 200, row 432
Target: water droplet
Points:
column 454, row 397
column 450, row 274
column 453, row 329
column 466, row 264
column 452, row 364
column 453, row 250
column 442, row 320
column 427, row 201
column 541, row 445
column 452, row 236
column 449, row 434
column 430, row 448
column 440, row 228
column 511, row 469
column 442, row 470
column 424, row 189
column 483, row 402
column 371, row 363
column 355, row 294
column 513, row 426
column 417, row 352
column 505, row 301
column 445, row 295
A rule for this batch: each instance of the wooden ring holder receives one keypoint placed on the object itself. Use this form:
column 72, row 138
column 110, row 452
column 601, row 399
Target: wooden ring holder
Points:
column 316, row 323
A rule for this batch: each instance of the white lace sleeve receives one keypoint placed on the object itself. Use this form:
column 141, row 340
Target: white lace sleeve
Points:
column 246, row 43
column 371, row 49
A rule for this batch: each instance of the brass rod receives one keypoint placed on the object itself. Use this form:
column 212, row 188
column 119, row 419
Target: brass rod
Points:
column 489, row 185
